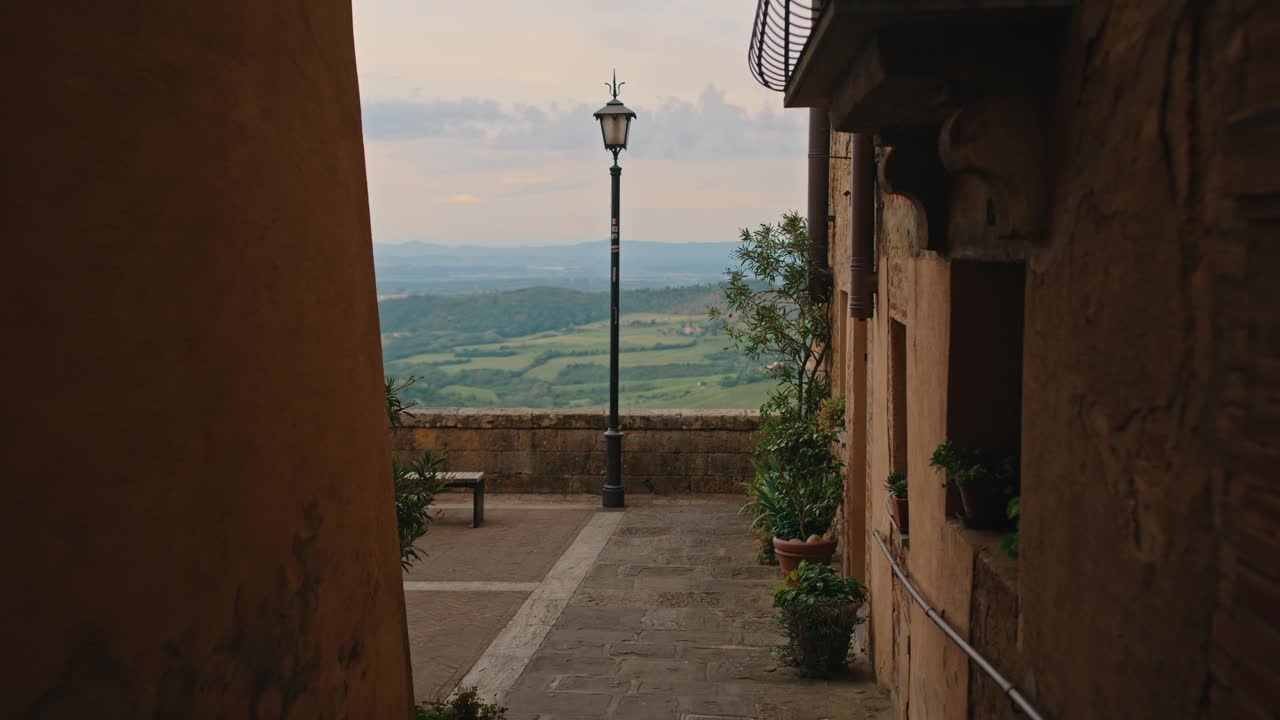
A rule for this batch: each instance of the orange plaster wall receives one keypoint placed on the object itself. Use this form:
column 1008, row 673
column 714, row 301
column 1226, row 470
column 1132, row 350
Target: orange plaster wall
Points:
column 199, row 520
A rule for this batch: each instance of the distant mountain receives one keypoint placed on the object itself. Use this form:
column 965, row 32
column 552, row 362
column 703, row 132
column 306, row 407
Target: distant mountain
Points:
column 418, row 267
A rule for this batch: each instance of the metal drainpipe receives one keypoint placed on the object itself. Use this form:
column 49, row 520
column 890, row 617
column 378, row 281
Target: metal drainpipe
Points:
column 862, row 227
column 819, row 191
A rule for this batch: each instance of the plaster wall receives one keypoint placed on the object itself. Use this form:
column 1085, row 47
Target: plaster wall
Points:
column 199, row 516
column 562, row 451
column 1149, row 346
column 1147, row 580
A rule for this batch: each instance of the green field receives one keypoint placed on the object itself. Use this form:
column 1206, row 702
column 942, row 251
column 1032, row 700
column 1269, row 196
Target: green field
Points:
column 668, row 360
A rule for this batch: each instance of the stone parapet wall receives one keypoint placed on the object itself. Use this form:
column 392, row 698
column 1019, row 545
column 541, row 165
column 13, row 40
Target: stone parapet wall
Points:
column 562, row 451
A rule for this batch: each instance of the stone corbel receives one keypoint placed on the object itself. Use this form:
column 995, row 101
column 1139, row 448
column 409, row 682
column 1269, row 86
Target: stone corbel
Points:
column 911, row 168
column 996, row 150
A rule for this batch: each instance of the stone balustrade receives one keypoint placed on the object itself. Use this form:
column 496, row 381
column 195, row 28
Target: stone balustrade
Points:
column 562, row 451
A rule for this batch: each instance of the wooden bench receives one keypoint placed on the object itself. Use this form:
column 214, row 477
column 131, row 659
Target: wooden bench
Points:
column 473, row 481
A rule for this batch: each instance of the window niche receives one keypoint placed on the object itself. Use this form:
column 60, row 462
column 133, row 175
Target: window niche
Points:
column 899, row 479
column 984, row 379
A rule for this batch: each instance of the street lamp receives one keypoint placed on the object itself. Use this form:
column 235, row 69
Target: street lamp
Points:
column 615, row 124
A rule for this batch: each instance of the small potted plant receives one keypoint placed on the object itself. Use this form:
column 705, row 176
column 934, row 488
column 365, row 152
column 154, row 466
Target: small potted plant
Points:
column 798, row 486
column 817, row 610
column 798, row 511
column 897, row 487
column 985, row 485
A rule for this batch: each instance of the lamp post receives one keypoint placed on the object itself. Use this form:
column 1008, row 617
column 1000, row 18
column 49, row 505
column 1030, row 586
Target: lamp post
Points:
column 615, row 123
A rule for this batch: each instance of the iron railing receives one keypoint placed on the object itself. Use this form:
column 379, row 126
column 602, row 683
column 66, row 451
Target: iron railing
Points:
column 778, row 36
column 1020, row 703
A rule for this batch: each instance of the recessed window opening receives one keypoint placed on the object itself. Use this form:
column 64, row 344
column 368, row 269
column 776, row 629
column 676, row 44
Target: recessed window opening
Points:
column 898, row 480
column 984, row 388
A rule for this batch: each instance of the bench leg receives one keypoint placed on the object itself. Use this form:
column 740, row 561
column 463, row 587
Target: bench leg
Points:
column 477, row 505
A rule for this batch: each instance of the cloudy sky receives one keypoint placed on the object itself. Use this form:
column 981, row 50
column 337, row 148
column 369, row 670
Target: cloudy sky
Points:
column 478, row 127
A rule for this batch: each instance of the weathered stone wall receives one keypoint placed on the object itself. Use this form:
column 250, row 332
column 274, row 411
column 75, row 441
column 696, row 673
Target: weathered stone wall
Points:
column 562, row 451
column 1148, row 566
column 1149, row 487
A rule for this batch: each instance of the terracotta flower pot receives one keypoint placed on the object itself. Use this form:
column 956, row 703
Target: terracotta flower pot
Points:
column 791, row 552
column 900, row 517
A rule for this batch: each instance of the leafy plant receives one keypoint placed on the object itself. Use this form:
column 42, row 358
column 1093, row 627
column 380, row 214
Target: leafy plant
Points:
column 965, row 466
column 1009, row 543
column 416, row 486
column 466, row 705
column 817, row 611
column 416, row 483
column 789, row 506
column 897, row 484
column 396, row 408
column 797, row 468
column 770, row 314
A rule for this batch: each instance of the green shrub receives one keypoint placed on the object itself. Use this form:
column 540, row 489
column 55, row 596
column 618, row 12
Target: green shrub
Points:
column 416, row 486
column 396, row 408
column 466, row 705
column 798, row 484
column 793, row 505
column 817, row 611
column 771, row 314
column 416, row 483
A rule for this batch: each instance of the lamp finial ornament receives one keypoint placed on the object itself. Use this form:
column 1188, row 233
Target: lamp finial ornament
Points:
column 613, row 87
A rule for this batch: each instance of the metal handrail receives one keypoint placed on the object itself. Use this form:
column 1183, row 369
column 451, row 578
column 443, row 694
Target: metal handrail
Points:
column 1010, row 691
column 778, row 36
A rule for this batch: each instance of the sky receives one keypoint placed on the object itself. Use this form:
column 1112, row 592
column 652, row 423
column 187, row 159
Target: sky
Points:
column 478, row 127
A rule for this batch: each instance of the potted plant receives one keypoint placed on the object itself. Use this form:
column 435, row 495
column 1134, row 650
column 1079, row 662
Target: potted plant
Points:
column 797, row 509
column 798, row 487
column 775, row 314
column 897, row 487
column 817, row 610
column 985, row 484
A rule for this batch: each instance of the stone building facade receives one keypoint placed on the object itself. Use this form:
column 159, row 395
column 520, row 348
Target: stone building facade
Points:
column 1073, row 233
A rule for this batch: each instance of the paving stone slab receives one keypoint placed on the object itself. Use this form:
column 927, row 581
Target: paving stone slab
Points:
column 448, row 631
column 638, row 707
column 514, row 544
column 630, row 649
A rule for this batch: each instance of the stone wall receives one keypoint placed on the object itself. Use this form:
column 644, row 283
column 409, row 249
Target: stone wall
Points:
column 1148, row 564
column 562, row 451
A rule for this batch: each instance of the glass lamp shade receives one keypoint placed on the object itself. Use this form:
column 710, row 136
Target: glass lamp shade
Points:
column 615, row 124
column 614, row 128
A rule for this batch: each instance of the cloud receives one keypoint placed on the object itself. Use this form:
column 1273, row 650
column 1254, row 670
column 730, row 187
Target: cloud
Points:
column 460, row 199
column 708, row 127
column 410, row 120
column 524, row 180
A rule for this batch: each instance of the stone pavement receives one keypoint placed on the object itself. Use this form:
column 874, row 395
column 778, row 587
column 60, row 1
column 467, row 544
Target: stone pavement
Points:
column 673, row 620
column 472, row 581
column 563, row 611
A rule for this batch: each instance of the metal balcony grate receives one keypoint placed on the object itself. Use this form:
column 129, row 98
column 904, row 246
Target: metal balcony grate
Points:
column 778, row 36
